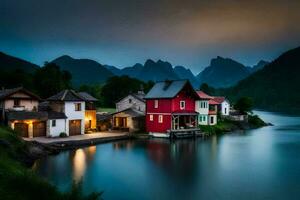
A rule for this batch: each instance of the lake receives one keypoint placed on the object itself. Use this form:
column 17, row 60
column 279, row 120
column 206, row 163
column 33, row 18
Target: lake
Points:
column 255, row 164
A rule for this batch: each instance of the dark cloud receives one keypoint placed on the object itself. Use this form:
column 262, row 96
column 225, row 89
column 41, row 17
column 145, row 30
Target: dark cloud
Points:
column 122, row 32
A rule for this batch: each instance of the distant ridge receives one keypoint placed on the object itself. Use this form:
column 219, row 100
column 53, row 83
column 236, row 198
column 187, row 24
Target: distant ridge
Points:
column 8, row 63
column 84, row 71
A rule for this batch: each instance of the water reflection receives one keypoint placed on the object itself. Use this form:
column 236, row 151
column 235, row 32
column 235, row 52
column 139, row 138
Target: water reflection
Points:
column 256, row 164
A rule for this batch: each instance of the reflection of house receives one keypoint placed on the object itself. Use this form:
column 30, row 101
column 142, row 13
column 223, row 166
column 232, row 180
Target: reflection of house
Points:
column 135, row 101
column 170, row 107
column 129, row 120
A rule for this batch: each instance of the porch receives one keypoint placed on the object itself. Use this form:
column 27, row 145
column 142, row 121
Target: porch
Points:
column 184, row 125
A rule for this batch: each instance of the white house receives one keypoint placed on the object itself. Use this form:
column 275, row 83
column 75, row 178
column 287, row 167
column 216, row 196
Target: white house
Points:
column 73, row 106
column 223, row 105
column 207, row 109
column 134, row 100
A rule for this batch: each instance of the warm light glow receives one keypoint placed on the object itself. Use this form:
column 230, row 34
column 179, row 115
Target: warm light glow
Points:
column 79, row 165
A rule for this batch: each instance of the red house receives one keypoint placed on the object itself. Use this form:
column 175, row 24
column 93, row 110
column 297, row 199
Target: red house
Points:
column 170, row 107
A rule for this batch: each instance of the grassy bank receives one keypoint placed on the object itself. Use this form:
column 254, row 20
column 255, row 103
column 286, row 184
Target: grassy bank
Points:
column 227, row 125
column 17, row 181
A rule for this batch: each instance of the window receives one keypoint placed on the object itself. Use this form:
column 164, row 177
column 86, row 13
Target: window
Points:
column 225, row 111
column 155, row 103
column 151, row 117
column 16, row 102
column 182, row 105
column 130, row 100
column 160, row 119
column 77, row 106
column 211, row 119
column 53, row 123
column 200, row 118
column 204, row 118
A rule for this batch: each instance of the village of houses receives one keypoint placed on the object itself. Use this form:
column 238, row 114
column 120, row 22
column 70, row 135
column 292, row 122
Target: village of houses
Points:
column 170, row 109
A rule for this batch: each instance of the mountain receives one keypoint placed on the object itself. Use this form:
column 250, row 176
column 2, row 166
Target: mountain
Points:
column 150, row 71
column 84, row 71
column 259, row 65
column 157, row 71
column 274, row 87
column 184, row 73
column 223, row 72
column 8, row 63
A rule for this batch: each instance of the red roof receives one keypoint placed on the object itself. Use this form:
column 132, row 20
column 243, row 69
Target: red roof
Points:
column 219, row 99
column 213, row 102
column 203, row 95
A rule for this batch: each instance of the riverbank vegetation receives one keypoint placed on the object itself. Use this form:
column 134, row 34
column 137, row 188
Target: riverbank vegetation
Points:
column 17, row 181
column 227, row 125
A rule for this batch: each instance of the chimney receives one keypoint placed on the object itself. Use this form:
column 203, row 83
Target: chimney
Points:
column 141, row 91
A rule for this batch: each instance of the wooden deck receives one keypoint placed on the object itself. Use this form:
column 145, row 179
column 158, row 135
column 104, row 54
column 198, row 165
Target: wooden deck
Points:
column 184, row 133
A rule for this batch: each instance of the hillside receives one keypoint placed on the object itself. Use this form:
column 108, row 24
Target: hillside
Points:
column 274, row 87
column 84, row 71
column 223, row 72
column 9, row 63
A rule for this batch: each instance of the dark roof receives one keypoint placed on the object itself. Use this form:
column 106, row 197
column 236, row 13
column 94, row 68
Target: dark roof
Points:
column 167, row 89
column 41, row 115
column 101, row 117
column 24, row 115
column 56, row 115
column 7, row 92
column 66, row 95
column 87, row 96
column 139, row 96
column 132, row 112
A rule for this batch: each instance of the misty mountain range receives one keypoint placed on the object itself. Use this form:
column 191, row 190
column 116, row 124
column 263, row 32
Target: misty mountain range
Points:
column 222, row 72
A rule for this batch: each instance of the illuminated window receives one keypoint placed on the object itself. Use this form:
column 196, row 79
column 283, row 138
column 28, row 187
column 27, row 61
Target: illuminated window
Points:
column 160, row 119
column 151, row 117
column 182, row 105
column 77, row 106
column 155, row 103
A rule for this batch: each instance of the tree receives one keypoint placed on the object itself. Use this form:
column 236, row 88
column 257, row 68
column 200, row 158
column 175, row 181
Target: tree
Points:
column 49, row 80
column 119, row 86
column 244, row 105
column 207, row 89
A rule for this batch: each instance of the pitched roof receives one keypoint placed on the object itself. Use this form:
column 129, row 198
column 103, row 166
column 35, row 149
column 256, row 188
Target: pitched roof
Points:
column 219, row 99
column 203, row 95
column 7, row 92
column 167, row 89
column 66, row 95
column 87, row 96
column 139, row 96
column 213, row 102
column 132, row 112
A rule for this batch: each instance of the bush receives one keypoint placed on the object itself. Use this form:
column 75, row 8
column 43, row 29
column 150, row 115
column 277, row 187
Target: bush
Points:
column 255, row 121
column 63, row 135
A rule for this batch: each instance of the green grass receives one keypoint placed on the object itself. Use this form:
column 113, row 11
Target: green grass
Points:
column 109, row 110
column 19, row 182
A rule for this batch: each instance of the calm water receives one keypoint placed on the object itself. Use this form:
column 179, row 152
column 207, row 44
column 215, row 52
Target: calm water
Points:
column 257, row 164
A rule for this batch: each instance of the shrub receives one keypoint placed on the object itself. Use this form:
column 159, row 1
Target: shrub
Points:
column 63, row 135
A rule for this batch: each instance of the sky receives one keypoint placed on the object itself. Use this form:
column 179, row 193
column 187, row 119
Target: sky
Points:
column 124, row 32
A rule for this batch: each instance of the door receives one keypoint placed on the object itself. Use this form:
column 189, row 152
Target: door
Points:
column 22, row 128
column 39, row 129
column 74, row 127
